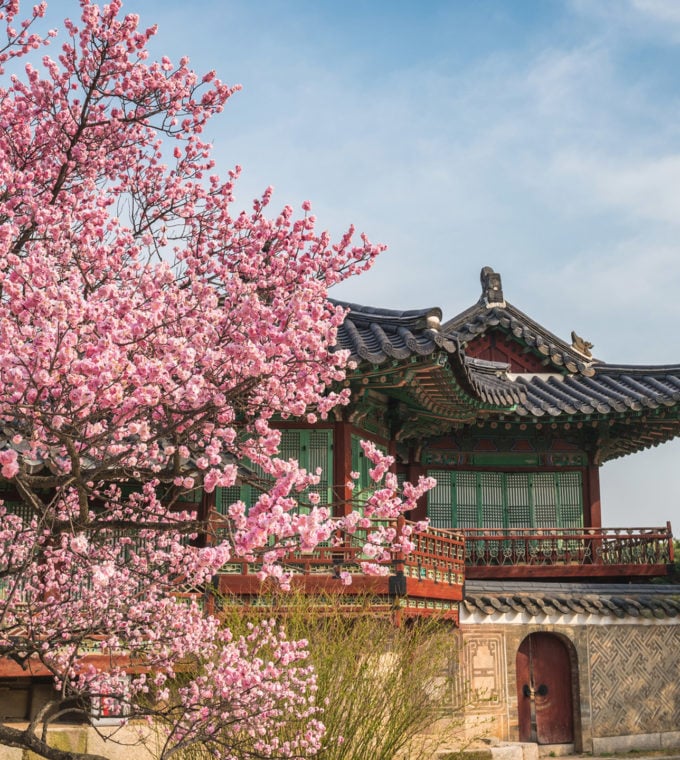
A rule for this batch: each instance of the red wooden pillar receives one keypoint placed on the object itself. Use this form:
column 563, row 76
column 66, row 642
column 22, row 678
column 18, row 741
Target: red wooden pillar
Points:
column 342, row 466
column 671, row 553
column 209, row 518
column 415, row 470
column 398, row 569
column 206, row 514
column 593, row 508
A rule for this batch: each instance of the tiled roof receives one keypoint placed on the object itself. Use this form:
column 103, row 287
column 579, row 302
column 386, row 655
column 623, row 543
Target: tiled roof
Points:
column 640, row 404
column 572, row 387
column 609, row 390
column 378, row 335
column 490, row 381
column 574, row 383
column 552, row 599
column 492, row 312
column 480, row 318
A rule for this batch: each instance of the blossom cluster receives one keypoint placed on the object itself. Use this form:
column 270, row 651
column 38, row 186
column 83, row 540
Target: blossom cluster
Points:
column 149, row 336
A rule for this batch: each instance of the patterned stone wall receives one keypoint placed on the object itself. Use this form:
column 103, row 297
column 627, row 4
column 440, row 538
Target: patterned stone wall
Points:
column 635, row 679
column 483, row 670
column 626, row 678
column 481, row 684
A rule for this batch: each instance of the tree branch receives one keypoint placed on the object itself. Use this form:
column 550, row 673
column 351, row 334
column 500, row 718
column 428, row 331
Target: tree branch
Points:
column 13, row 737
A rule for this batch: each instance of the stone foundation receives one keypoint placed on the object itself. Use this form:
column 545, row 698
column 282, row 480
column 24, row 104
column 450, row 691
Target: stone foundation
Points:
column 655, row 742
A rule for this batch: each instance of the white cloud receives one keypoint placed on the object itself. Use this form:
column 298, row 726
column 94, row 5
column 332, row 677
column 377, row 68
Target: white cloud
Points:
column 641, row 189
column 664, row 11
column 648, row 20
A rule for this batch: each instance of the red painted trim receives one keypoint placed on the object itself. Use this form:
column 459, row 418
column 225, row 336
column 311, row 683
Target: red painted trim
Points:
column 572, row 572
column 592, row 504
column 498, row 346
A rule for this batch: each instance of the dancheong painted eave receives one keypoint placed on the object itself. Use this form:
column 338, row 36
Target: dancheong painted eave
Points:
column 406, row 355
column 630, row 407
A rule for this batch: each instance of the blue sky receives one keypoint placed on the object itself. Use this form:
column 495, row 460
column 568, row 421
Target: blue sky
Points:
column 539, row 137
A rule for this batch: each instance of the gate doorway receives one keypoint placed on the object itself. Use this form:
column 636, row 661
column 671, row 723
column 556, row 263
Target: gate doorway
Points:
column 544, row 690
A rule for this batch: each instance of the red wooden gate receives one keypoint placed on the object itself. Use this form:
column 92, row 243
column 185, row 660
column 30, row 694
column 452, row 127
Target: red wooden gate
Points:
column 544, row 690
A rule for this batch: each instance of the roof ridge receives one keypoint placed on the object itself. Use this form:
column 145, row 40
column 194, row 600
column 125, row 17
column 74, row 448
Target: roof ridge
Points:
column 430, row 316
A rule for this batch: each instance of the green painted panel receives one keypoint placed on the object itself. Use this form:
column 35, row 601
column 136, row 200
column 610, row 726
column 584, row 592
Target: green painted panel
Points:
column 15, row 506
column 313, row 449
column 566, row 460
column 505, row 458
column 441, row 504
column 506, row 500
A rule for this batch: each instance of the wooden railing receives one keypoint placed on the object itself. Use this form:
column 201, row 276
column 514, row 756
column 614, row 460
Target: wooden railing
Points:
column 426, row 581
column 613, row 546
column 597, row 551
column 438, row 556
column 446, row 557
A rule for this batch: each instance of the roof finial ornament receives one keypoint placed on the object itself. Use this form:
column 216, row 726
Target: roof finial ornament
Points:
column 492, row 288
column 581, row 345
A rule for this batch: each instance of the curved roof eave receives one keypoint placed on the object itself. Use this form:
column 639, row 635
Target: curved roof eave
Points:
column 385, row 337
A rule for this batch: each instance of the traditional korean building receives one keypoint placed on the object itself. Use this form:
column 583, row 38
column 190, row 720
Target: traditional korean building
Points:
column 564, row 641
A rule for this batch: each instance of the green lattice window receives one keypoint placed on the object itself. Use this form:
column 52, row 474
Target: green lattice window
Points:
column 506, row 500
column 363, row 487
column 312, row 448
column 15, row 506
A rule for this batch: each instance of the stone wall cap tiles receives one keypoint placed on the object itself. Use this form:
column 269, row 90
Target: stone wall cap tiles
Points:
column 619, row 600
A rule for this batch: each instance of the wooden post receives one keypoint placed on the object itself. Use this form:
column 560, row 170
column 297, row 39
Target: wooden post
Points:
column 399, row 579
column 399, row 558
column 342, row 466
column 592, row 517
column 671, row 553
column 415, row 470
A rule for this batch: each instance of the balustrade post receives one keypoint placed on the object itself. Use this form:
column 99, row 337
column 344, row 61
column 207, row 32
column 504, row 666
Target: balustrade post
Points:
column 595, row 546
column 399, row 557
column 339, row 553
column 671, row 545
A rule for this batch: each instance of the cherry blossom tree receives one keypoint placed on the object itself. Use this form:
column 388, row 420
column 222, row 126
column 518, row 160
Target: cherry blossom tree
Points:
column 149, row 336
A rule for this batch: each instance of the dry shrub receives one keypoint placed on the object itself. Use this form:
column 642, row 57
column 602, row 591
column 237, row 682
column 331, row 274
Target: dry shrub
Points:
column 382, row 687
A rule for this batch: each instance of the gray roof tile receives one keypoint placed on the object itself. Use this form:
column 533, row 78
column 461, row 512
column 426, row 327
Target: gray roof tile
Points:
column 380, row 336
column 542, row 599
column 573, row 384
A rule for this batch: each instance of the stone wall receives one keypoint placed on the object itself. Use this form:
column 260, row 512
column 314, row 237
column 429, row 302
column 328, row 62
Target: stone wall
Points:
column 635, row 679
column 625, row 686
column 625, row 681
column 483, row 683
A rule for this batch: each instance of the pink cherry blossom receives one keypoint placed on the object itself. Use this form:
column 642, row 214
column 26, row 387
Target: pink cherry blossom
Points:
column 150, row 334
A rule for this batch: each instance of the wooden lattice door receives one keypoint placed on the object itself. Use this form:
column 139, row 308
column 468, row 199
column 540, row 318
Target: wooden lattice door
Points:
column 544, row 690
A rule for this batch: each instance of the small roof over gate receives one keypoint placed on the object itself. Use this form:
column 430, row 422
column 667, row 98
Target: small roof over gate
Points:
column 556, row 599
